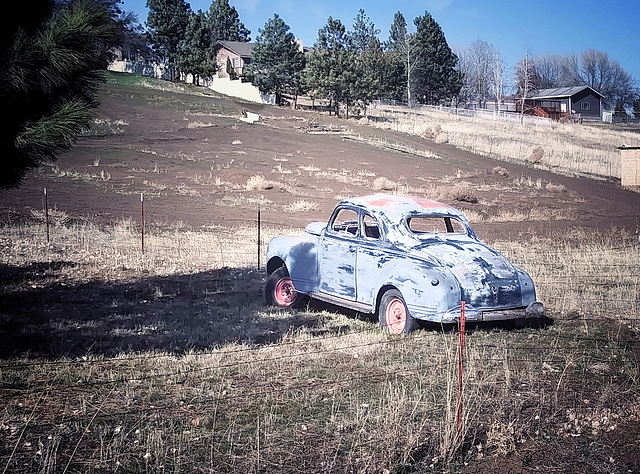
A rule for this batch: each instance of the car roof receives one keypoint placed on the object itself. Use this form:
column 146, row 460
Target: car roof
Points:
column 391, row 204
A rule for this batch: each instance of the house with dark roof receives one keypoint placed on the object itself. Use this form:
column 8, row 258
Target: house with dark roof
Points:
column 232, row 57
column 580, row 102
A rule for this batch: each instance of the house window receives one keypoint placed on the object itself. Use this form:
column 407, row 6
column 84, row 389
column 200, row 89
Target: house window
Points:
column 585, row 106
column 236, row 63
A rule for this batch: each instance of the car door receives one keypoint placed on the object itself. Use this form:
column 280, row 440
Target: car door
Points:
column 370, row 257
column 338, row 254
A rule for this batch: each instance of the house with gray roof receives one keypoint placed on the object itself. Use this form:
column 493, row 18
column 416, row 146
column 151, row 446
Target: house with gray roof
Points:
column 232, row 57
column 579, row 102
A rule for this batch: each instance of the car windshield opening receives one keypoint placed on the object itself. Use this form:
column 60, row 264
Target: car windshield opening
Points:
column 346, row 221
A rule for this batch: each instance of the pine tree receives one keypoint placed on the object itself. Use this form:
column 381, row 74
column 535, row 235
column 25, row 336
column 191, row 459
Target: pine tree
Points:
column 436, row 78
column 363, row 32
column 620, row 113
column 330, row 72
column 277, row 60
column 368, row 65
column 168, row 21
column 636, row 108
column 196, row 52
column 49, row 81
column 225, row 23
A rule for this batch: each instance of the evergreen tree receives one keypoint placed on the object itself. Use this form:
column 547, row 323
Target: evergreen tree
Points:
column 436, row 78
column 636, row 108
column 372, row 64
column 168, row 21
column 225, row 23
column 49, row 80
column 368, row 65
column 330, row 72
column 620, row 113
column 197, row 52
column 277, row 60
column 363, row 32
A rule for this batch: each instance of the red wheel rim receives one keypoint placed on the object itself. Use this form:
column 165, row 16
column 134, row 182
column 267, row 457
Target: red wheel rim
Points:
column 285, row 292
column 396, row 316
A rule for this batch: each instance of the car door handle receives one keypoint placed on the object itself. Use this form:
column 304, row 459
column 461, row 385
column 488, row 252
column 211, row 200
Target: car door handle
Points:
column 352, row 248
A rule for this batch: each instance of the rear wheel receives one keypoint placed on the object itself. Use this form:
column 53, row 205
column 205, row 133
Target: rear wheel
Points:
column 393, row 314
column 279, row 290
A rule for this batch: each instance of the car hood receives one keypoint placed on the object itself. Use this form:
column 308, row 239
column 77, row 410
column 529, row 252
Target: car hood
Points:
column 487, row 279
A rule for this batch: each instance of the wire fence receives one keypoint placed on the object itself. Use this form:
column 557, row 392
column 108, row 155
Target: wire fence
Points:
column 601, row 283
column 484, row 114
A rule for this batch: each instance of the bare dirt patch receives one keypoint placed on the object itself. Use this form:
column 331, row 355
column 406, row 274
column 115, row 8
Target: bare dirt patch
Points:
column 197, row 163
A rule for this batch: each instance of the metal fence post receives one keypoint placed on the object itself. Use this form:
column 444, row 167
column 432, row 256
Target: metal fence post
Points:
column 46, row 212
column 259, row 237
column 460, row 368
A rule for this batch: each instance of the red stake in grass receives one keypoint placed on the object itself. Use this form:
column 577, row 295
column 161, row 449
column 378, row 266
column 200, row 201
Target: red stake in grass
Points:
column 460, row 367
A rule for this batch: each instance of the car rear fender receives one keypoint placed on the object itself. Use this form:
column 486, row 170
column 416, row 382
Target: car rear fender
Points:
column 428, row 291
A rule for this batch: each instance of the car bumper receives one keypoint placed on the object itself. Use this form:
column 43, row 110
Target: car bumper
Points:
column 534, row 310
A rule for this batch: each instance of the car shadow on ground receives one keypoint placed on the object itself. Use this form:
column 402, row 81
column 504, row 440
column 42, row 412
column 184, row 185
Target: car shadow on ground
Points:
column 42, row 314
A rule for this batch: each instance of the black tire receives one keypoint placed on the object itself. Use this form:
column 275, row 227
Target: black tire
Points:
column 393, row 314
column 279, row 290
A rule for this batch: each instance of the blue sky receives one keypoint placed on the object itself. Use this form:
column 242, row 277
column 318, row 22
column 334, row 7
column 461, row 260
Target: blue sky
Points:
column 543, row 26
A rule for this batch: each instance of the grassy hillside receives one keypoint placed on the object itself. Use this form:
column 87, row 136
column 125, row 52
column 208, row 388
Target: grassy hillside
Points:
column 561, row 147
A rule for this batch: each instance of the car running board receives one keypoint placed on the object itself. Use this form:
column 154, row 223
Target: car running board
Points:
column 338, row 301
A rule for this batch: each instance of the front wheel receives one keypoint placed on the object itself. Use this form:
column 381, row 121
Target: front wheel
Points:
column 393, row 314
column 279, row 290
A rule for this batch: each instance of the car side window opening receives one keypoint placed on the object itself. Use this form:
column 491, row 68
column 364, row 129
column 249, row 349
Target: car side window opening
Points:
column 435, row 225
column 370, row 227
column 346, row 222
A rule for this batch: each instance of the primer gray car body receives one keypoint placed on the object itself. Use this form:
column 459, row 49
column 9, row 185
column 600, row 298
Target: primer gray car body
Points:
column 353, row 263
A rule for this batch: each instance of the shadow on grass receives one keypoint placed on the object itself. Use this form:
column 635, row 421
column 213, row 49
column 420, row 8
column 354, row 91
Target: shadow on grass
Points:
column 510, row 324
column 41, row 316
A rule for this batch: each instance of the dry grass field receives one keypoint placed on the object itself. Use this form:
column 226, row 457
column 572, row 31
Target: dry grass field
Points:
column 115, row 360
column 563, row 147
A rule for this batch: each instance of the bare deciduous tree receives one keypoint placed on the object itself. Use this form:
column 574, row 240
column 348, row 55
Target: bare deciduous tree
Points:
column 402, row 42
column 526, row 78
column 594, row 69
column 478, row 65
column 498, row 80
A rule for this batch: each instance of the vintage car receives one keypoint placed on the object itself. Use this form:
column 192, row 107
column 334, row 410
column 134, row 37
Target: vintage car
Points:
column 405, row 259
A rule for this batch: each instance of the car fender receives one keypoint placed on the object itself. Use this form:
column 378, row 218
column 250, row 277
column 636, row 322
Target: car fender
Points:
column 527, row 287
column 300, row 256
column 429, row 291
